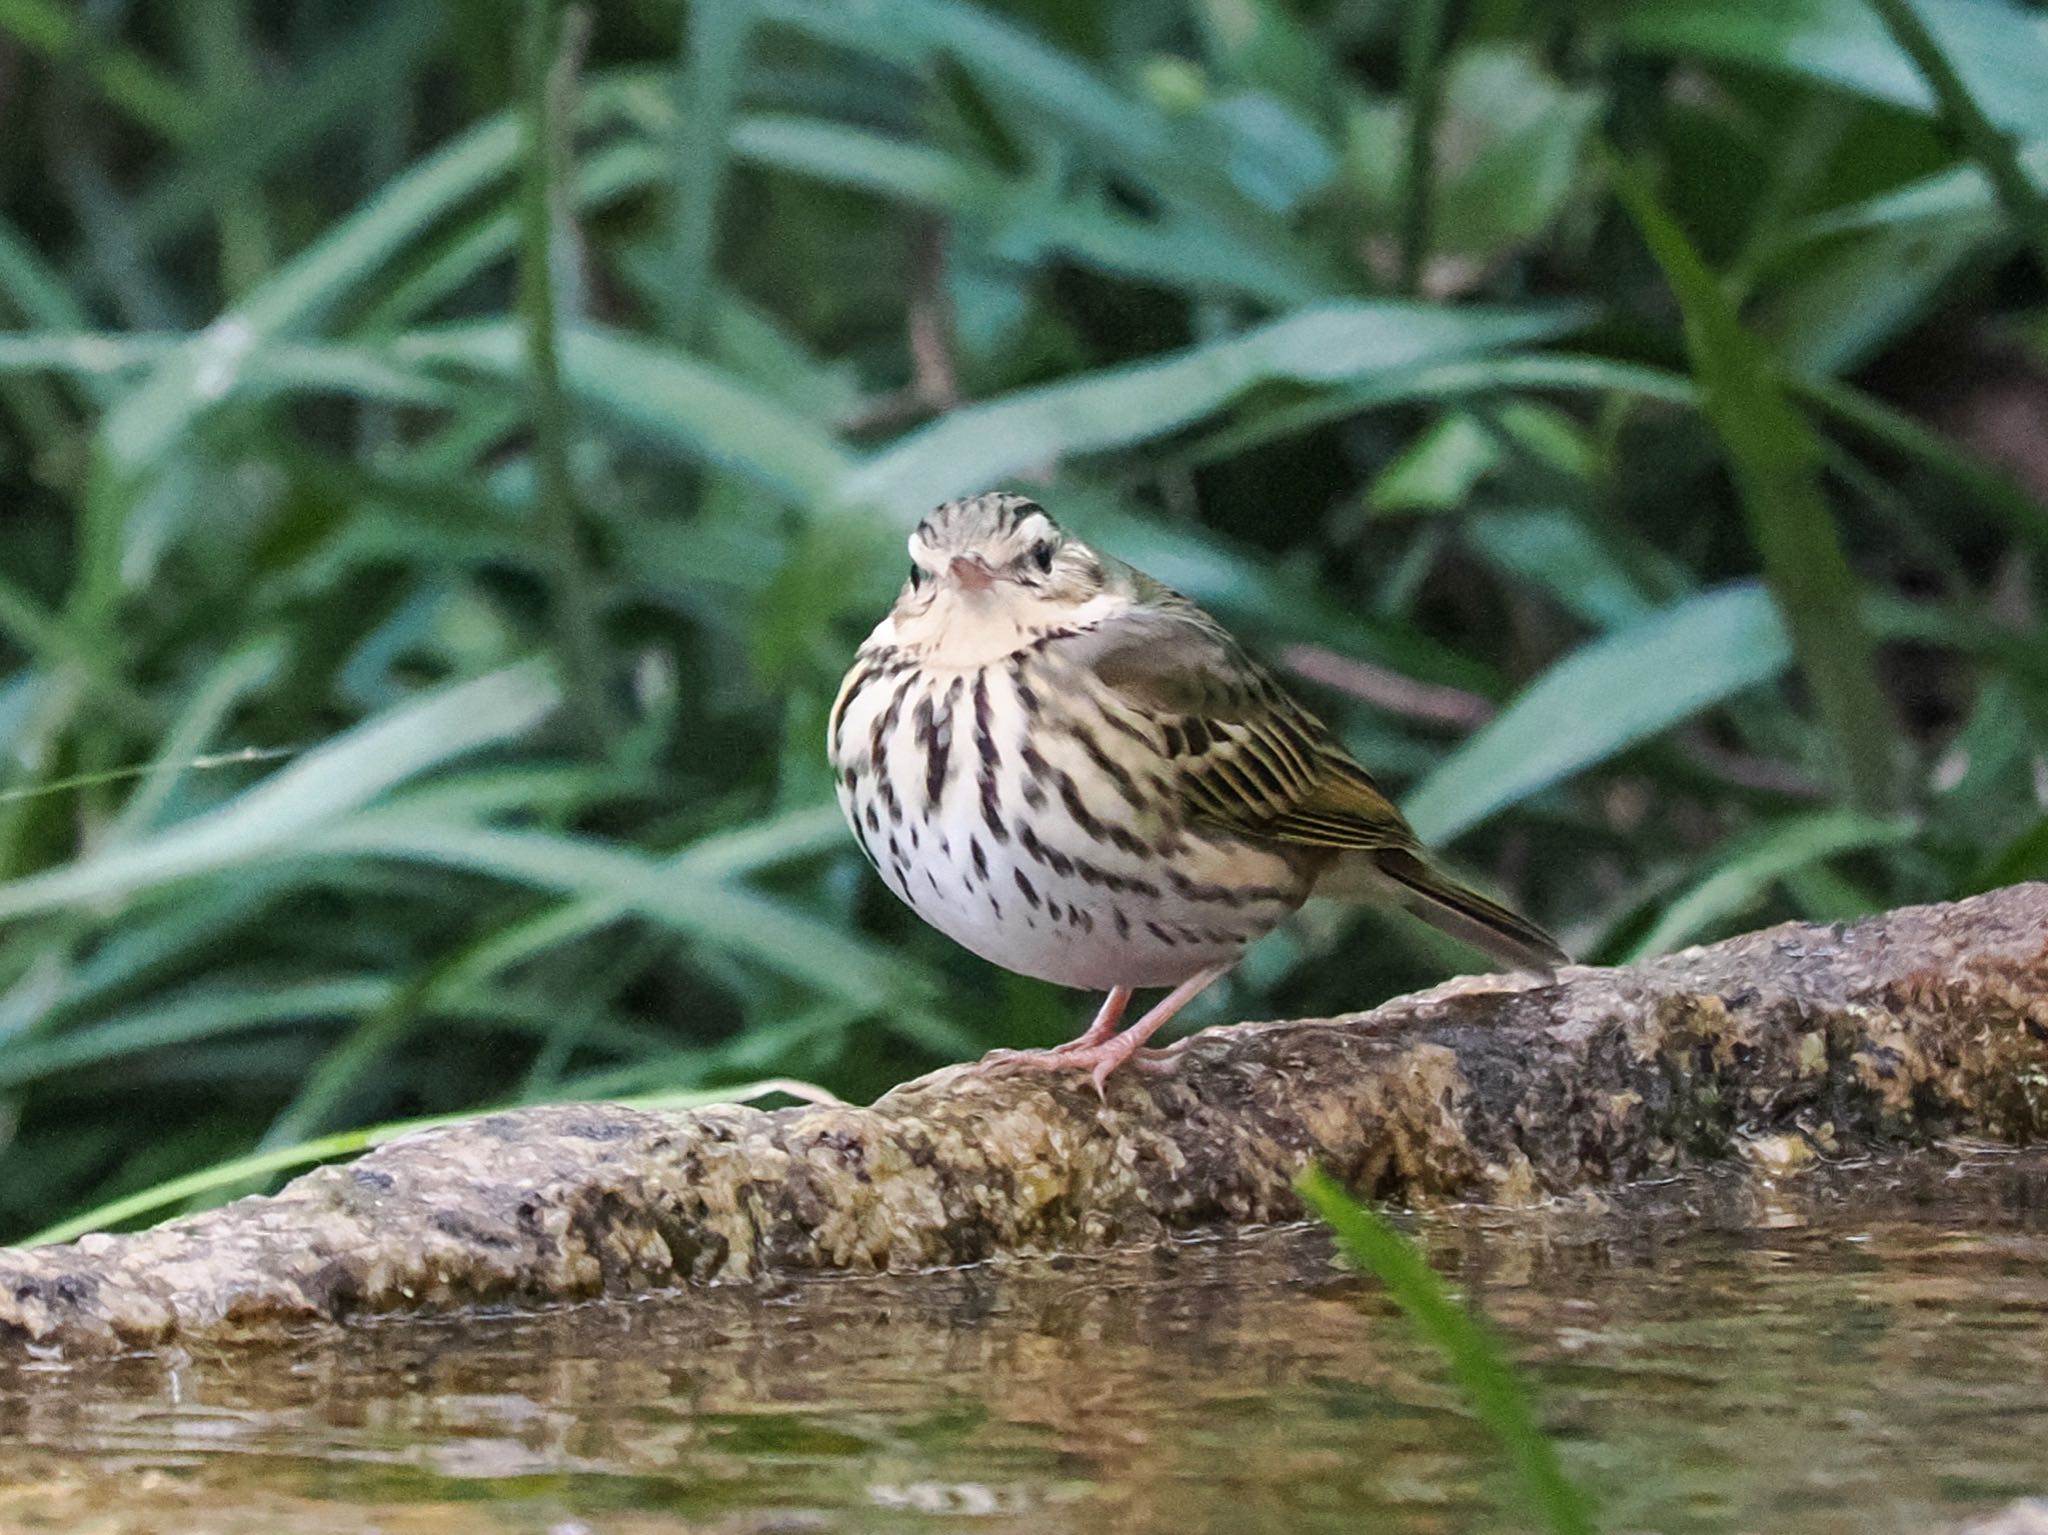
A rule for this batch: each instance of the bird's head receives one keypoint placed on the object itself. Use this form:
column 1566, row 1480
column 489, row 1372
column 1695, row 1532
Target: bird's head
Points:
column 990, row 573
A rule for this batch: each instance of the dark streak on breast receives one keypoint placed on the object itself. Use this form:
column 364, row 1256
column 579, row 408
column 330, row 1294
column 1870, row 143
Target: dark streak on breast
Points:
column 985, row 748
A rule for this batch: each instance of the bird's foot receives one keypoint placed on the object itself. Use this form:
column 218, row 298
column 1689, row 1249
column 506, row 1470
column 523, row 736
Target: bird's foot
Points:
column 1100, row 1051
column 1098, row 1060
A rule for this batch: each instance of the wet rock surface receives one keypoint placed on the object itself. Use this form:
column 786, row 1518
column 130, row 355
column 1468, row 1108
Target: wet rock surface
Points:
column 1797, row 1041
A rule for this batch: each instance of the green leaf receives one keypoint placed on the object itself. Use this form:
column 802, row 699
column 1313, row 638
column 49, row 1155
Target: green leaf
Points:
column 1016, row 214
column 1183, row 164
column 1559, row 552
column 739, row 920
column 1604, row 698
column 2023, row 858
column 1996, row 49
column 68, row 35
column 1776, row 458
column 1840, row 311
column 707, row 83
column 1475, row 1361
column 206, row 1014
column 1746, row 868
column 320, row 787
column 1439, row 470
column 344, row 260
column 979, row 446
column 1966, row 118
column 1957, row 199
column 693, row 408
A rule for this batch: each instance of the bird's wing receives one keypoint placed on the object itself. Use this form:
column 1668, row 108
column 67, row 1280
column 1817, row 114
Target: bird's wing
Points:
column 1247, row 756
column 1251, row 760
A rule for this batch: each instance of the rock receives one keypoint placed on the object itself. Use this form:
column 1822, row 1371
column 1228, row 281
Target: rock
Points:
column 1923, row 1023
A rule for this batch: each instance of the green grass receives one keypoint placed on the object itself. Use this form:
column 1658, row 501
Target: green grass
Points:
column 446, row 466
column 1474, row 1359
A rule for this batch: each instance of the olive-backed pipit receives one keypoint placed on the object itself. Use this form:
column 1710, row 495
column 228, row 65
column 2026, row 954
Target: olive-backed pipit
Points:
column 1076, row 773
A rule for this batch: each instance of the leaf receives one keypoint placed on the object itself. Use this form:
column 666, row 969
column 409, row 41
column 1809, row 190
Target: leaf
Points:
column 346, row 258
column 1964, row 116
column 204, row 370
column 693, row 408
column 1776, row 458
column 1746, row 868
column 342, row 775
column 70, row 36
column 2023, row 858
column 1957, row 199
column 1475, row 1361
column 1996, row 49
column 1604, row 698
column 1509, row 149
column 234, row 677
column 1558, row 551
column 707, row 84
column 740, row 920
column 1439, row 470
column 1500, row 372
column 206, row 1014
column 1017, row 215
column 977, row 447
column 1841, row 311
column 1182, row 163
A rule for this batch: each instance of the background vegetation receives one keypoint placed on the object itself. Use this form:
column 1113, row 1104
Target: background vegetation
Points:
column 448, row 454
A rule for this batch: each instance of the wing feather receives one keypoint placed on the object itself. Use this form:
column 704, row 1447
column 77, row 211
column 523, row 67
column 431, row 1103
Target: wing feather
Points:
column 1246, row 756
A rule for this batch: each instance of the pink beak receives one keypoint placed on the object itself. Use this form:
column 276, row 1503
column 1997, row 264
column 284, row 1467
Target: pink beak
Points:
column 971, row 574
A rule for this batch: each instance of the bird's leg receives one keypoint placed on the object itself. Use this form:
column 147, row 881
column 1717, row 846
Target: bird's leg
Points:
column 1108, row 1054
column 1106, row 1057
column 1107, row 1017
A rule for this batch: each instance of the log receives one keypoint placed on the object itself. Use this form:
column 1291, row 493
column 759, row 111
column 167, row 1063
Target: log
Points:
column 1787, row 1044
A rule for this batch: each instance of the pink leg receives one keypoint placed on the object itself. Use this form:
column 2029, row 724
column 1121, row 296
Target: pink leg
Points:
column 1107, row 1017
column 1102, row 1059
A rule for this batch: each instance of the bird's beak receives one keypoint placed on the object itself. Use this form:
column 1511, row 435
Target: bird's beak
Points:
column 971, row 575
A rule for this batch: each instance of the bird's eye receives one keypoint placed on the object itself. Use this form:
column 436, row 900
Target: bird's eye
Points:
column 917, row 575
column 1043, row 554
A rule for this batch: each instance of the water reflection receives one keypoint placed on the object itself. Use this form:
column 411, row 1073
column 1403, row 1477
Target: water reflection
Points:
column 1862, row 1349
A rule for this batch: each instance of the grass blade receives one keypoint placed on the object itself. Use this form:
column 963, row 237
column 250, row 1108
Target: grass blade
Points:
column 126, row 79
column 1744, row 869
column 325, row 784
column 1842, row 44
column 683, row 404
column 1993, row 150
column 741, row 921
column 552, row 55
column 975, row 448
column 1474, row 1360
column 1776, row 459
column 1603, row 698
column 707, row 89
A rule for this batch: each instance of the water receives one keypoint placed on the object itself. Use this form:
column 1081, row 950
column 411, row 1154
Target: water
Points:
column 1864, row 1350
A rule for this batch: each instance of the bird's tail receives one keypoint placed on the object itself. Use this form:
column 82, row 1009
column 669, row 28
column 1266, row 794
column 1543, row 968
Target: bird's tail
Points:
column 1464, row 913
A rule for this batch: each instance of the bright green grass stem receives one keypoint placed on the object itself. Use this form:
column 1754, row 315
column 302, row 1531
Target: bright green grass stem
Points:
column 1474, row 1360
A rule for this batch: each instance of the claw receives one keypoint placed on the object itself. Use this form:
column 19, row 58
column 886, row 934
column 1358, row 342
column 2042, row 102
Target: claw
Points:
column 1101, row 1051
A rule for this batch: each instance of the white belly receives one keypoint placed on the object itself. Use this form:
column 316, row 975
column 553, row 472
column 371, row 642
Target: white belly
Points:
column 981, row 808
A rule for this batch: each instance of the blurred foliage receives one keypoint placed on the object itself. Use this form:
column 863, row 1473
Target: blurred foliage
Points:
column 446, row 465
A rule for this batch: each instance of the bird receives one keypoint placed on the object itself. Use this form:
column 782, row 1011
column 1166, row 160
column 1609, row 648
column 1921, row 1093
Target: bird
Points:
column 1074, row 772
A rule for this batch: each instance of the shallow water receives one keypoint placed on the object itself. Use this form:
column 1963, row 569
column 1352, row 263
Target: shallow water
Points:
column 1864, row 1348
